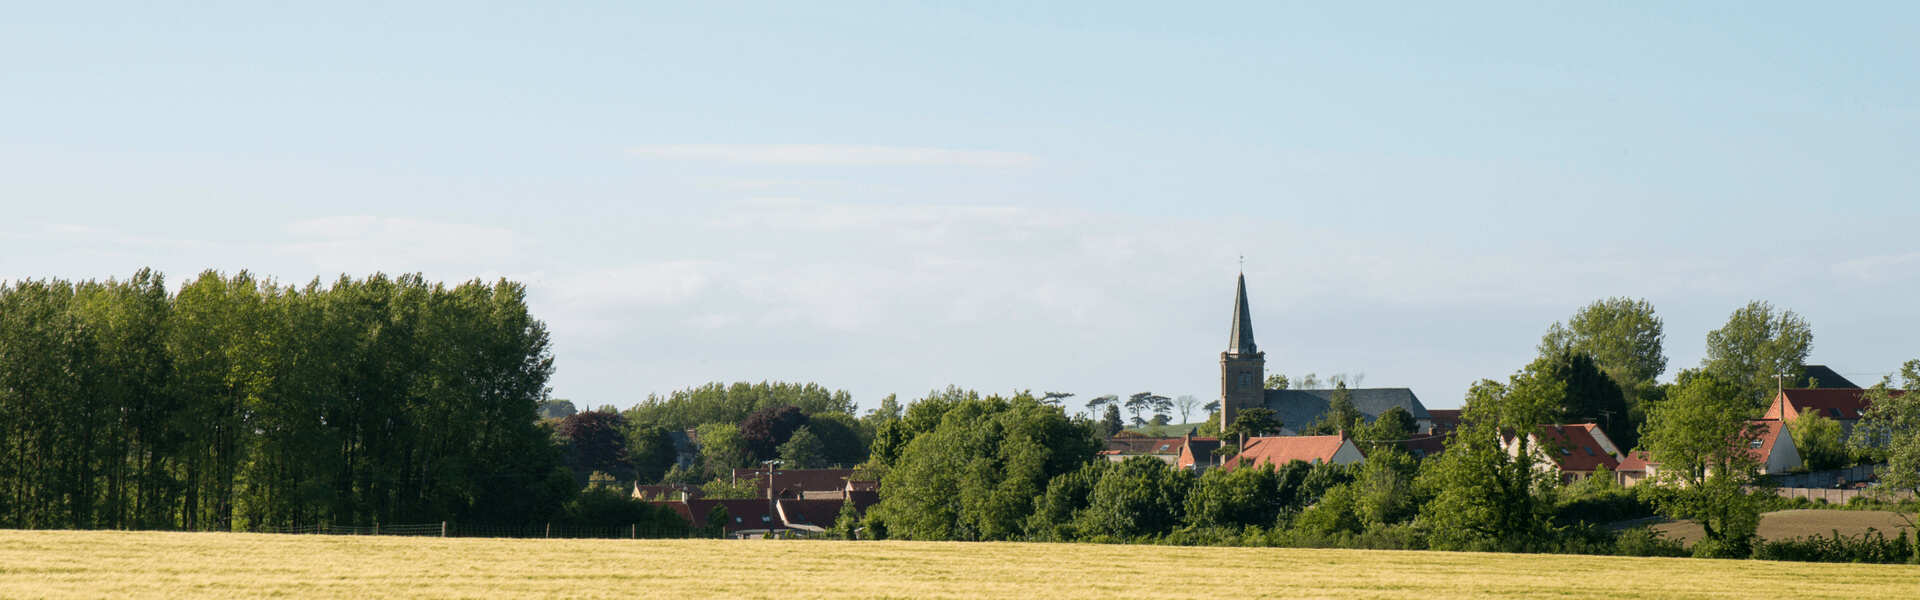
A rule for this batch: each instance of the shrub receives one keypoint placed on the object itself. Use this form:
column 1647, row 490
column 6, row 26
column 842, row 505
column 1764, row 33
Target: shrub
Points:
column 1870, row 547
column 1644, row 541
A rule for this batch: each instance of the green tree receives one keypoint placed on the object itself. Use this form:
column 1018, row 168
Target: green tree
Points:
column 1276, row 381
column 1388, row 432
column 1892, row 426
column 1622, row 335
column 722, row 448
column 1759, row 351
column 1822, row 445
column 1140, row 496
column 1702, row 438
column 650, row 452
column 1591, row 396
column 733, row 403
column 1341, row 415
column 975, row 475
column 803, row 449
column 1487, row 495
column 1110, row 422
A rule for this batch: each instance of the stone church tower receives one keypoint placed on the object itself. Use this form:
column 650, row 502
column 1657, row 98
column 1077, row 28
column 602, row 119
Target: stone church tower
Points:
column 1243, row 367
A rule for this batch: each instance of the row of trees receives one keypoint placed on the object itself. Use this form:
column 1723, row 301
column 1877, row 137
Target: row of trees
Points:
column 238, row 402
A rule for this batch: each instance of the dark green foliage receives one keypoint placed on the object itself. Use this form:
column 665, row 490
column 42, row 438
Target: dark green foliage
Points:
column 1591, row 396
column 1241, row 497
column 1252, row 422
column 1341, row 414
column 845, row 526
column 974, row 473
column 612, row 507
column 1870, row 547
column 1643, row 541
column 1486, row 497
column 1066, row 495
column 844, row 440
column 766, row 429
column 1389, row 432
column 1141, row 496
column 921, row 416
column 722, row 403
column 239, row 403
column 596, row 441
column 650, row 452
column 1110, row 422
column 802, row 450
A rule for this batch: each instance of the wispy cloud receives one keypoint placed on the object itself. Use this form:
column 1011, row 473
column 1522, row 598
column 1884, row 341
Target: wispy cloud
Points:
column 836, row 155
column 362, row 243
column 1880, row 267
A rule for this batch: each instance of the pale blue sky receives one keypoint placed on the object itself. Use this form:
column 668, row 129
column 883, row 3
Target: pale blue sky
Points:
column 892, row 197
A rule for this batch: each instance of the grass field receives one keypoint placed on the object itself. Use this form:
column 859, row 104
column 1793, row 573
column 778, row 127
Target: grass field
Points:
column 70, row 564
column 1803, row 523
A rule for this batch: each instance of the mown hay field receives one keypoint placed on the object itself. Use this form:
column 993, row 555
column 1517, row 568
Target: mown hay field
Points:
column 89, row 564
column 1787, row 524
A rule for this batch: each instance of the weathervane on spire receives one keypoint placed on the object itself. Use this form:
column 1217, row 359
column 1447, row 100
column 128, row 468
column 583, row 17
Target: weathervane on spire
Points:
column 1243, row 262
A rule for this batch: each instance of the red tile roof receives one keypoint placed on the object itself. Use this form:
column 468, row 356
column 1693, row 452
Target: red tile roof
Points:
column 742, row 513
column 793, row 483
column 1444, row 420
column 1844, row 404
column 1576, row 447
column 1144, row 445
column 804, row 514
column 1768, row 435
column 1279, row 451
column 1636, row 461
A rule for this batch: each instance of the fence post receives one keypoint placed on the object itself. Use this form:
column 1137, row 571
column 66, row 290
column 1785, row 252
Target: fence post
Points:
column 443, row 529
column 376, row 529
column 549, row 530
column 634, row 534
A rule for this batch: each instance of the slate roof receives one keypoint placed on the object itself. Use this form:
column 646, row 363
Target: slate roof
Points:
column 1301, row 408
column 1827, row 378
column 1197, row 450
column 1240, row 340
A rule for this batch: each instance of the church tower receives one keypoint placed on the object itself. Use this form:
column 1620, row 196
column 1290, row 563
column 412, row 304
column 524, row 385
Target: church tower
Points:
column 1243, row 367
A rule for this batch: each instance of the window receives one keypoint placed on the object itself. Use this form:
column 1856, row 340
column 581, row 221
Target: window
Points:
column 1755, row 443
column 1836, row 413
column 1566, row 451
column 766, row 519
column 1246, row 380
column 1589, row 450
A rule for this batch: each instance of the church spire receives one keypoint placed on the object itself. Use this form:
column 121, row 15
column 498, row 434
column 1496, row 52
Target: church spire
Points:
column 1241, row 340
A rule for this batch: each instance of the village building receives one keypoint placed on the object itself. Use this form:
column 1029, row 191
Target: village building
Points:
column 797, row 500
column 1774, row 450
column 1243, row 377
column 1197, row 454
column 1576, row 452
column 1310, row 449
column 1124, row 446
column 1846, row 405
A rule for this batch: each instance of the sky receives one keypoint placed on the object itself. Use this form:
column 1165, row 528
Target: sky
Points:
column 894, row 197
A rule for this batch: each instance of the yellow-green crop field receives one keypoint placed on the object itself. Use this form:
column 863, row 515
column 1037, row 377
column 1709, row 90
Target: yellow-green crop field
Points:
column 90, row 564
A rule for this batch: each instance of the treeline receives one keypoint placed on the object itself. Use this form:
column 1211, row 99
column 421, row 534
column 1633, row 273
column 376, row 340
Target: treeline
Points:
column 239, row 403
column 729, row 426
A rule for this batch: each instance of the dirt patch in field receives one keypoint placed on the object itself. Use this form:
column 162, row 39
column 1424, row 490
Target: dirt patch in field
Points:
column 1788, row 524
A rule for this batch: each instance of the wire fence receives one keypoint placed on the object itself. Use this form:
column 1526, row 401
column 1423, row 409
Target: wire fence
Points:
column 635, row 531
